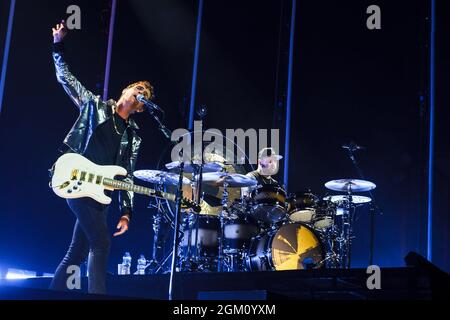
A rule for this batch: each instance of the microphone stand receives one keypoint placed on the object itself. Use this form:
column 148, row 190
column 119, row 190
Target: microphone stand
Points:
column 179, row 195
column 373, row 206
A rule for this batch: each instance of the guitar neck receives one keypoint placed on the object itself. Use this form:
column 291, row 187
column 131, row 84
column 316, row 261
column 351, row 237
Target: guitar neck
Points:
column 121, row 185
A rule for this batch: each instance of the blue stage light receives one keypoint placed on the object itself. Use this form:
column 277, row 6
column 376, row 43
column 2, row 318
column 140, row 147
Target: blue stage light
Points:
column 19, row 274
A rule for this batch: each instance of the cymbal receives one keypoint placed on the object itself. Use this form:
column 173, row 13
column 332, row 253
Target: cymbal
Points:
column 350, row 185
column 346, row 198
column 234, row 179
column 194, row 167
column 160, row 177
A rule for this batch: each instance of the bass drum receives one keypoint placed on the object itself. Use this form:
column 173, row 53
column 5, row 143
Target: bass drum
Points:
column 292, row 247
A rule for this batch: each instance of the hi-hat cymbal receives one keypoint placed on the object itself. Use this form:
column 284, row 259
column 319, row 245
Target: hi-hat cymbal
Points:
column 350, row 185
column 190, row 167
column 160, row 177
column 346, row 198
column 217, row 179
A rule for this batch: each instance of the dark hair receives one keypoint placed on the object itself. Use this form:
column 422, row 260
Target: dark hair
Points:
column 146, row 84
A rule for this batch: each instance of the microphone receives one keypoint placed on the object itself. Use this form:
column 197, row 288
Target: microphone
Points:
column 352, row 147
column 150, row 105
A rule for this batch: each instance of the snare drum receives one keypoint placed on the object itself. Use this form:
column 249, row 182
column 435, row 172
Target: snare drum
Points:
column 269, row 204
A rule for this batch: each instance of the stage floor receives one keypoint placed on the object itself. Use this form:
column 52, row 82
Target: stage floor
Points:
column 396, row 284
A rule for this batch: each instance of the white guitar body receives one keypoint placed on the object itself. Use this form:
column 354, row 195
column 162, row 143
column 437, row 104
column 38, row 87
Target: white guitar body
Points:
column 76, row 177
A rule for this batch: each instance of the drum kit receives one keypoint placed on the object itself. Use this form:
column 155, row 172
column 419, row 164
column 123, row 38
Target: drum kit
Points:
column 264, row 229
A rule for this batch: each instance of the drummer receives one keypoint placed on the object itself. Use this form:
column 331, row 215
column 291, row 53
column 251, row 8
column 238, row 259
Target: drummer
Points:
column 268, row 164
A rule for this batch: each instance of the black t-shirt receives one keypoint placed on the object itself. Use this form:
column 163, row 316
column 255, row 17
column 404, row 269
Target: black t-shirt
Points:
column 104, row 143
column 261, row 179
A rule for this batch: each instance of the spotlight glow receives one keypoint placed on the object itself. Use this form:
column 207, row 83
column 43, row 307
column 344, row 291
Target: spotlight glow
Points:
column 19, row 274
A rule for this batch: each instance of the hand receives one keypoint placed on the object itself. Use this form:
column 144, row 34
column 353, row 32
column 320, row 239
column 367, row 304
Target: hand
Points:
column 123, row 226
column 59, row 32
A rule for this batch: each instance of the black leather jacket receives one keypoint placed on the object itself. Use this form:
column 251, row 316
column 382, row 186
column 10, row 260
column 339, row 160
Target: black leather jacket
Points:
column 93, row 112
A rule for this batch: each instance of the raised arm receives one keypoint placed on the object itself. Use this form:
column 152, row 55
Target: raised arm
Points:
column 76, row 91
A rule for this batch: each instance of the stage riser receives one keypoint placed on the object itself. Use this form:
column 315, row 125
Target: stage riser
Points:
column 397, row 283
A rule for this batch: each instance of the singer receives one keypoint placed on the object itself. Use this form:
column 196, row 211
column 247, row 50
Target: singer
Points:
column 105, row 133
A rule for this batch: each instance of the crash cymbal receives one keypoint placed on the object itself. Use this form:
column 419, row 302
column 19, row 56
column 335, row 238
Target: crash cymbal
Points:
column 350, row 185
column 234, row 179
column 194, row 167
column 159, row 177
column 346, row 198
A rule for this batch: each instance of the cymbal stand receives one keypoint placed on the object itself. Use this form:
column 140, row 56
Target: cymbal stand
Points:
column 223, row 212
column 187, row 258
column 332, row 257
column 346, row 236
column 157, row 218
column 168, row 256
column 198, row 198
column 374, row 209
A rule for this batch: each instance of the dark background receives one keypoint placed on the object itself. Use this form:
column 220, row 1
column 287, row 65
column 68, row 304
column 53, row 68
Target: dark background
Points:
column 349, row 83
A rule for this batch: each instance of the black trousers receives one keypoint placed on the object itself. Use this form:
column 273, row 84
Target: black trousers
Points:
column 91, row 239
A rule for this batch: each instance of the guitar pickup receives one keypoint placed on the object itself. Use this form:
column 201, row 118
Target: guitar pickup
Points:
column 98, row 180
column 74, row 174
column 83, row 176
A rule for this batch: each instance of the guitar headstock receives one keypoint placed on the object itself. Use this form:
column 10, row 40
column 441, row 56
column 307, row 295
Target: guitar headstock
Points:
column 191, row 204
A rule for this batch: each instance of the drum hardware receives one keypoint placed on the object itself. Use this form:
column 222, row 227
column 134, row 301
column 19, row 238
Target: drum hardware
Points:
column 348, row 204
column 222, row 215
column 266, row 230
column 156, row 233
column 160, row 179
column 161, row 215
column 234, row 260
column 192, row 234
column 351, row 148
column 237, row 240
column 197, row 179
column 197, row 238
column 226, row 180
column 343, row 236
